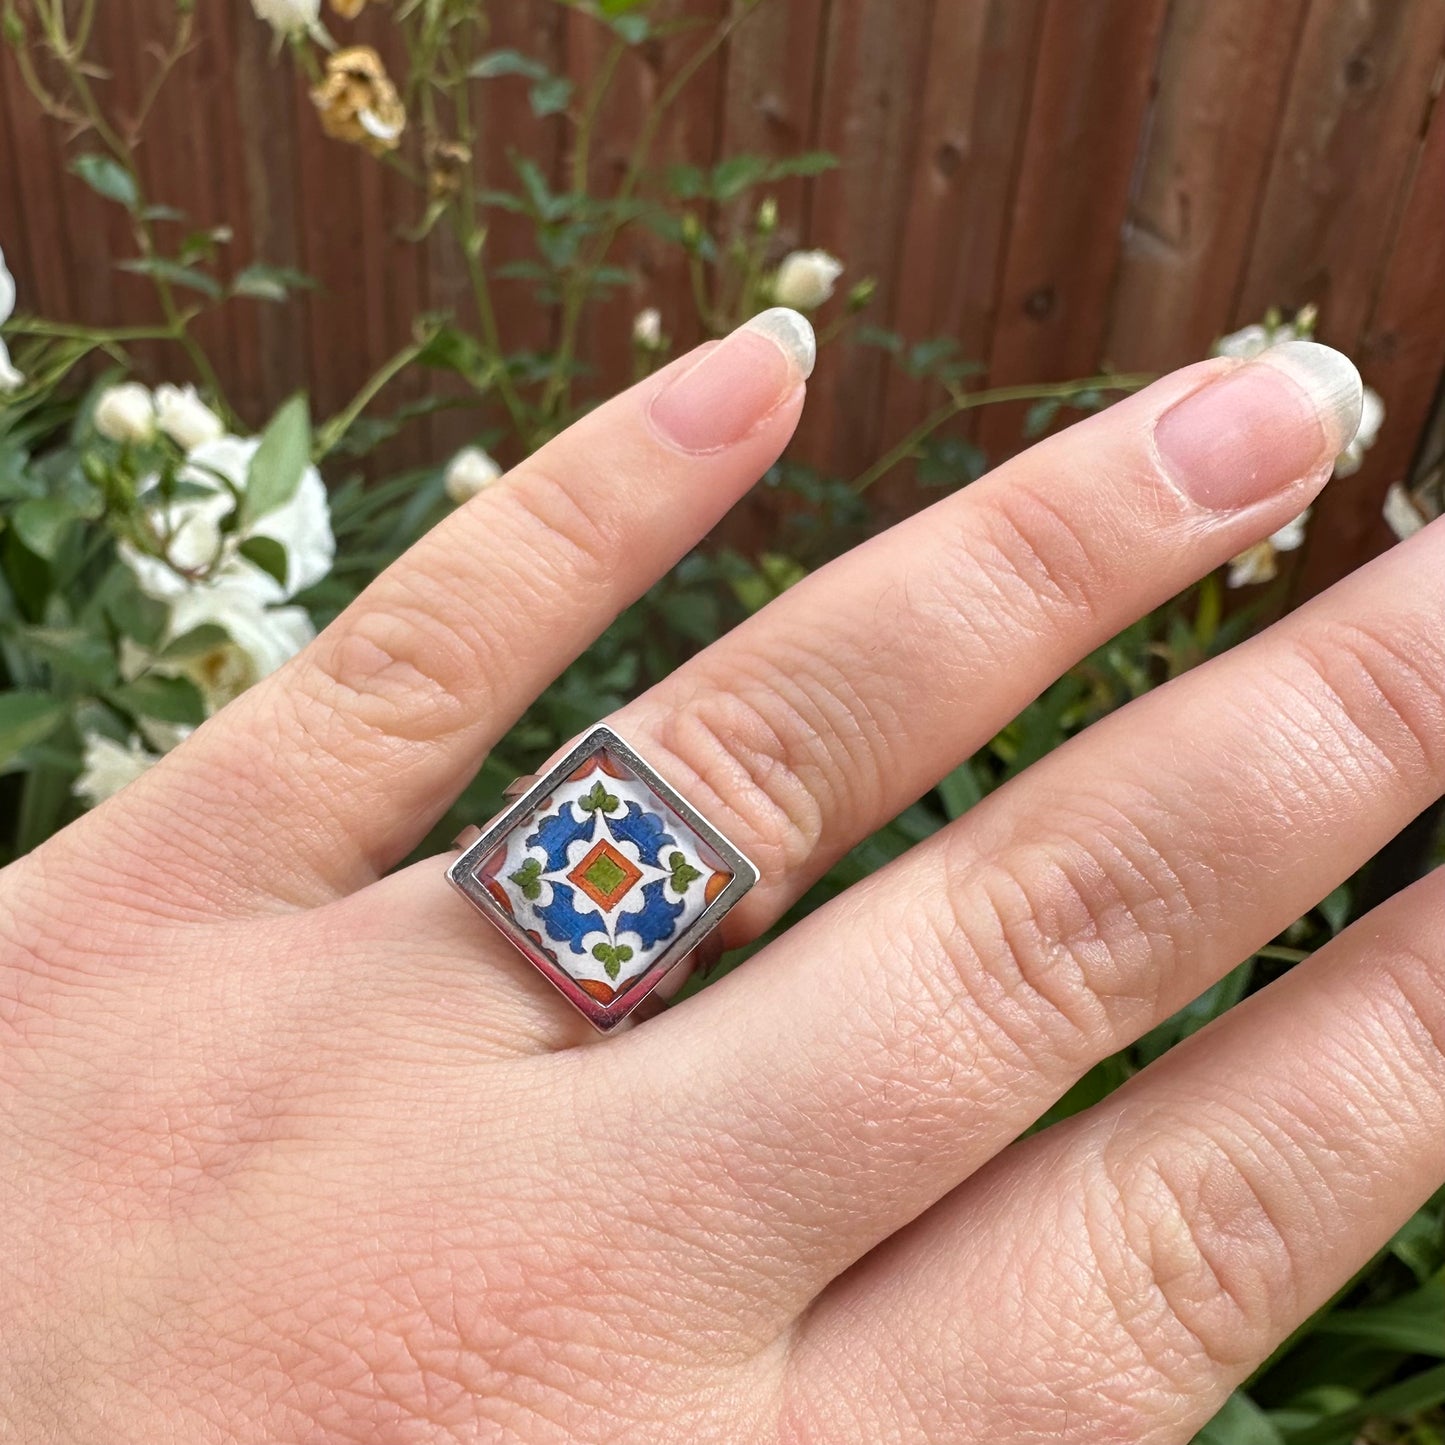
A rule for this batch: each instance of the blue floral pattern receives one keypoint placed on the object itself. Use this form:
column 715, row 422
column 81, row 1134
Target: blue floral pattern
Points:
column 602, row 877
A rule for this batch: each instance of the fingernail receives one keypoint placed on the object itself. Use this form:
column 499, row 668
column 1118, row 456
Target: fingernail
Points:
column 728, row 392
column 1261, row 428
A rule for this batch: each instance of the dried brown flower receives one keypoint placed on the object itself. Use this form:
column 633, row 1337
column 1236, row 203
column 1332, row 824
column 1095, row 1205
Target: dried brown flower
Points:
column 447, row 163
column 357, row 101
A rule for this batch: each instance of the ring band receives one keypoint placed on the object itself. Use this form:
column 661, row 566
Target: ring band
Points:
column 604, row 878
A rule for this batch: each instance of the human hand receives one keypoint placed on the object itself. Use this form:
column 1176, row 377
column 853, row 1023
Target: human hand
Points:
column 297, row 1150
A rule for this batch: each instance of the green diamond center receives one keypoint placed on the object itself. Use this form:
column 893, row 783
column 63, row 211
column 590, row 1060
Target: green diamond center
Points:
column 605, row 875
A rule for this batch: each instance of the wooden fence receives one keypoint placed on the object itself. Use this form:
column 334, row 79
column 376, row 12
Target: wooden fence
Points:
column 1060, row 184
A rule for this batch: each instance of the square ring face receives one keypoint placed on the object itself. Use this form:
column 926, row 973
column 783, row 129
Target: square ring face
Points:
column 603, row 877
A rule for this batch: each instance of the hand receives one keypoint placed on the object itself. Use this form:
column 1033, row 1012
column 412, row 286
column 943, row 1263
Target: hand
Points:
column 297, row 1150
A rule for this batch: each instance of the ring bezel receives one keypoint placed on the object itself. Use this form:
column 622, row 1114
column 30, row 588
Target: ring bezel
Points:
column 463, row 874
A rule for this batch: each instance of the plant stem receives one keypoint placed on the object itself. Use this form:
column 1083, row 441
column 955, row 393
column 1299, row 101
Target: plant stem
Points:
column 969, row 401
column 331, row 432
column 579, row 281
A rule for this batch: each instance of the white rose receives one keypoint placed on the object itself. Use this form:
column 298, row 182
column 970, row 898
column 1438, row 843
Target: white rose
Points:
column 10, row 379
column 806, row 279
column 472, row 470
column 126, row 413
column 647, row 329
column 1372, row 417
column 185, row 418
column 1260, row 563
column 109, row 766
column 288, row 16
column 1403, row 517
column 259, row 638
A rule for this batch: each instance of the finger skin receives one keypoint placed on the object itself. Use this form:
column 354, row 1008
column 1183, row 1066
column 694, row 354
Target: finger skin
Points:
column 892, row 1043
column 323, row 776
column 1122, row 1273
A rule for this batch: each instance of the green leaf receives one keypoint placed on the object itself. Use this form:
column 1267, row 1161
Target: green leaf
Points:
column 107, row 177
column 280, row 461
column 268, row 554
column 26, row 718
column 196, row 643
column 42, row 524
column 1414, row 1323
column 1408, row 1397
column 1240, row 1422
column 551, row 95
column 270, row 283
column 166, row 699
column 507, row 62
column 631, row 29
column 161, row 268
column 960, row 790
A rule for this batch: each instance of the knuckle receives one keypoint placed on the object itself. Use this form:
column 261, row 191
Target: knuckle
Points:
column 1064, row 945
column 1037, row 557
column 754, row 752
column 1198, row 1248
column 563, row 530
column 400, row 668
column 1385, row 690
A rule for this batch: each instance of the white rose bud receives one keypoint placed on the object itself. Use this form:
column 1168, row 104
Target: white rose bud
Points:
column 647, row 329
column 10, row 379
column 185, row 418
column 126, row 413
column 471, row 471
column 288, row 16
column 806, row 279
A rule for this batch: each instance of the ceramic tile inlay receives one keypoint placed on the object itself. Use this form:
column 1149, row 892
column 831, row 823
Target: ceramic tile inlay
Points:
column 602, row 879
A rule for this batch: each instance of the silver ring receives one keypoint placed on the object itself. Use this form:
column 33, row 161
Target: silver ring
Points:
column 603, row 878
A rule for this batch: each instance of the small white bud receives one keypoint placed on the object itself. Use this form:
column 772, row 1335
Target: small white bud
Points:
column 471, row 471
column 126, row 413
column 806, row 279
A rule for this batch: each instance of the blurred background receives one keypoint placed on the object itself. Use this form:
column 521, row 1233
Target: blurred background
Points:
column 1061, row 185
column 283, row 281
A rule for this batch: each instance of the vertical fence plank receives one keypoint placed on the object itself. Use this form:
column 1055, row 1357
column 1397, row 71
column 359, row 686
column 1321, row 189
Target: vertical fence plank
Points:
column 1402, row 353
column 1211, row 138
column 769, row 107
column 1362, row 81
column 868, row 117
column 1090, row 93
column 981, row 56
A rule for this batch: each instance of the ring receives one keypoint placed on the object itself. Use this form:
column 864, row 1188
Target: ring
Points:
column 603, row 877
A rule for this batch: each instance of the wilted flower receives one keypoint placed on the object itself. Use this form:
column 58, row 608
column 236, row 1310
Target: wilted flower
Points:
column 109, row 766
column 647, row 329
column 126, row 413
column 472, row 470
column 9, row 377
column 185, row 418
column 1403, row 515
column 357, row 101
column 806, row 279
column 348, row 9
column 446, row 165
column 1260, row 563
column 288, row 16
column 1372, row 417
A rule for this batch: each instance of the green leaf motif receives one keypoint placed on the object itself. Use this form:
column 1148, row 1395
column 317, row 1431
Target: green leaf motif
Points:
column 612, row 957
column 529, row 879
column 684, row 875
column 599, row 800
column 280, row 461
